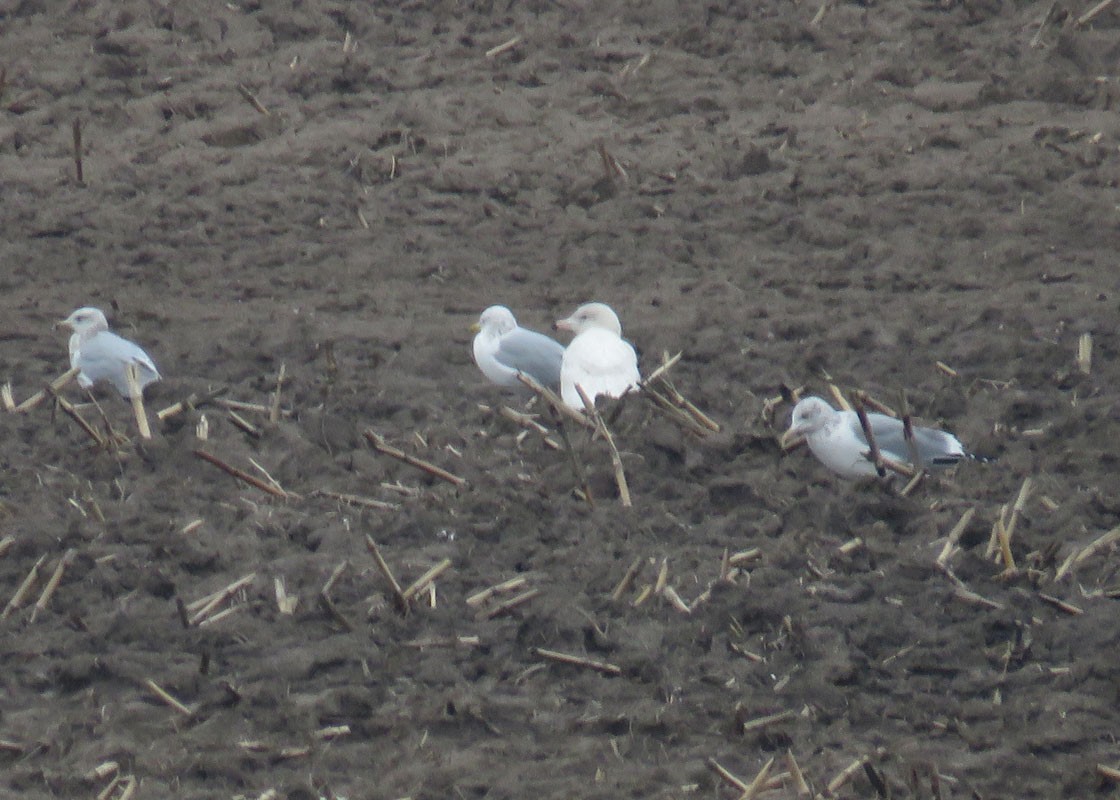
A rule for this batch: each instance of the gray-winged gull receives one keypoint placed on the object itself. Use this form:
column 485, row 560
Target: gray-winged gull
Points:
column 502, row 349
column 598, row 359
column 102, row 356
column 836, row 439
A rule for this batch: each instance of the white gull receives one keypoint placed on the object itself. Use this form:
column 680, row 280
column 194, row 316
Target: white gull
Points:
column 598, row 359
column 836, row 438
column 102, row 356
column 502, row 349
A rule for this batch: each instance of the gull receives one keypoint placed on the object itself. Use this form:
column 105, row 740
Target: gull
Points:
column 102, row 356
column 836, row 439
column 598, row 359
column 502, row 350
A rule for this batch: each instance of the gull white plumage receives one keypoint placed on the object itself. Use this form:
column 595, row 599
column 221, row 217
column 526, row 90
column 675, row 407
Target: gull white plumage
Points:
column 502, row 349
column 102, row 356
column 836, row 439
column 598, row 359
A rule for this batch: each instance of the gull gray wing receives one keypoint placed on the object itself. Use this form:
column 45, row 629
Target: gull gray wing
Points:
column 935, row 448
column 105, row 356
column 532, row 353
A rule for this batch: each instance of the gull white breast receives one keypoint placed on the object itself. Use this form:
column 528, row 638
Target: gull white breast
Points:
column 598, row 359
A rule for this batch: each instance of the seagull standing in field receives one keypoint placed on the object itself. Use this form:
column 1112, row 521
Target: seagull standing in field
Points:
column 598, row 359
column 502, row 349
column 836, row 438
column 102, row 356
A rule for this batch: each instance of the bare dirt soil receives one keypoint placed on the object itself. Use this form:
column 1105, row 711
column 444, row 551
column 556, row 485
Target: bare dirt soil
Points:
column 853, row 198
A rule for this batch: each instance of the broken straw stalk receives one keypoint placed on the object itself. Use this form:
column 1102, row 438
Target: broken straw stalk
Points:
column 478, row 598
column 1061, row 605
column 127, row 785
column 908, row 435
column 876, row 405
column 72, row 412
column 57, row 385
column 1093, row 548
column 688, row 406
column 678, row 415
column 1000, row 541
column 380, row 445
column 274, row 409
column 375, row 551
column 593, row 419
column 954, row 536
column 578, row 661
column 643, row 594
column 285, row 603
column 192, row 401
column 1092, row 13
column 675, row 600
column 799, row 783
column 660, row 587
column 762, row 782
column 627, row 579
column 839, row 397
column 328, row 606
column 23, row 590
column 1097, row 545
column 243, row 476
column 561, row 410
column 445, row 641
column 527, row 421
column 52, row 584
column 356, row 500
column 875, row 456
column 554, row 400
column 847, row 773
column 136, row 395
column 425, row 580
column 167, row 698
column 514, row 602
column 252, row 100
column 676, row 405
column 616, row 460
column 335, row 575
column 244, row 424
column 912, row 483
column 1085, row 353
column 962, row 592
column 404, row 597
column 206, row 606
column 509, row 44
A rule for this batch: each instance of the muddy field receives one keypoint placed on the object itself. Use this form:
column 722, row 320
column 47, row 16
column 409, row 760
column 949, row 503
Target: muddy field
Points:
column 785, row 196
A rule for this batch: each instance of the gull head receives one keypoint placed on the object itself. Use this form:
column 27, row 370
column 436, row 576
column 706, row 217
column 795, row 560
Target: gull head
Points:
column 84, row 321
column 495, row 321
column 591, row 315
column 809, row 416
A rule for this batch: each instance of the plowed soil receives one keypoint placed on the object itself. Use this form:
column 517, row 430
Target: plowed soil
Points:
column 338, row 189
